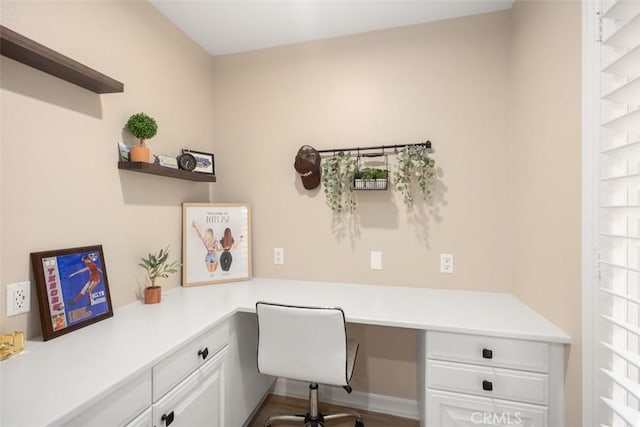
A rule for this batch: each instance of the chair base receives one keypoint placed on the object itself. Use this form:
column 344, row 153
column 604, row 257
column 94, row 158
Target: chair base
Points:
column 319, row 422
column 314, row 418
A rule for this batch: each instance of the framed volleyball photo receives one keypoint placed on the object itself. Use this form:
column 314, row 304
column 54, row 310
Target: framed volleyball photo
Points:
column 72, row 289
column 216, row 243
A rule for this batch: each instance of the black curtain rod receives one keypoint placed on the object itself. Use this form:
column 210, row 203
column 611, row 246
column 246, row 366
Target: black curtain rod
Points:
column 377, row 147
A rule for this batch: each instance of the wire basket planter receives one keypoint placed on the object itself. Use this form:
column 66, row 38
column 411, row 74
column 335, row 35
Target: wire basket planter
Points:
column 371, row 174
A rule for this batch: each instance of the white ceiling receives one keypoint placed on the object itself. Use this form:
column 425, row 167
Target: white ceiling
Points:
column 230, row 26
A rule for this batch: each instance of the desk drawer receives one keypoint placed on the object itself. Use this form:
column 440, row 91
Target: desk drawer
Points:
column 461, row 410
column 489, row 351
column 174, row 368
column 489, row 382
column 119, row 406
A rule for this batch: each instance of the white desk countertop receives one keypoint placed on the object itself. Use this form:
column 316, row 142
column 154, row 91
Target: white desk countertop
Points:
column 61, row 377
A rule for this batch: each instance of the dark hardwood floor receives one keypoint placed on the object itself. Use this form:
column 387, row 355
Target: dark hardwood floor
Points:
column 274, row 404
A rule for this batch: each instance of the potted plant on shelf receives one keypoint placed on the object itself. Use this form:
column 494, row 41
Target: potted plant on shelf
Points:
column 414, row 162
column 142, row 127
column 156, row 265
column 337, row 177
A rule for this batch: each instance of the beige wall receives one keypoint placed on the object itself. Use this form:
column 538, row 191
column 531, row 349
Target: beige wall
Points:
column 545, row 105
column 447, row 82
column 498, row 94
column 60, row 184
column 510, row 179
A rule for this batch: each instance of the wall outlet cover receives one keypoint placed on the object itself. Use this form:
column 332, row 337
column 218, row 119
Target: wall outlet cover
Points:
column 18, row 298
column 446, row 263
column 278, row 256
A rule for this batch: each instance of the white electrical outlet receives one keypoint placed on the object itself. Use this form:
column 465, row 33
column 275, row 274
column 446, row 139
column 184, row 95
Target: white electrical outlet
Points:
column 278, row 256
column 446, row 263
column 18, row 298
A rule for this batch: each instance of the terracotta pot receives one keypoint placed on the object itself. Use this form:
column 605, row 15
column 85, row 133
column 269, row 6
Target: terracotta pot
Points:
column 152, row 294
column 140, row 154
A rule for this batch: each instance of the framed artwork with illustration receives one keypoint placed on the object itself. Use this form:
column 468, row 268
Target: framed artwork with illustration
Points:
column 72, row 289
column 216, row 243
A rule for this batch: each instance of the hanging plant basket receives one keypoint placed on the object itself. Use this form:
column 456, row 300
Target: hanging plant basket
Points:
column 371, row 178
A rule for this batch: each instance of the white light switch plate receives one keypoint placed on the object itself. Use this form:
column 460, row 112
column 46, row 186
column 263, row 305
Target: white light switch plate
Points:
column 376, row 260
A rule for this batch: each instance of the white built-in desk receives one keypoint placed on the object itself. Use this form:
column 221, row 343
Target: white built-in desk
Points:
column 59, row 381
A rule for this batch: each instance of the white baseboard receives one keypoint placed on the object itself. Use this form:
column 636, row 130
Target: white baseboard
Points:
column 405, row 408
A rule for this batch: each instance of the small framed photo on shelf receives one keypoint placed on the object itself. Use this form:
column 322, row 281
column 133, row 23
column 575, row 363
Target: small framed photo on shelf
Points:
column 125, row 151
column 204, row 161
column 72, row 289
column 216, row 243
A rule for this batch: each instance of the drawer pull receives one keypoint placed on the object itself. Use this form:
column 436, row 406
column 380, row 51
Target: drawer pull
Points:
column 487, row 354
column 168, row 419
column 487, row 385
column 203, row 353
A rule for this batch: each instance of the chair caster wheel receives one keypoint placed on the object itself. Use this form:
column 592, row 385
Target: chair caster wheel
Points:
column 359, row 423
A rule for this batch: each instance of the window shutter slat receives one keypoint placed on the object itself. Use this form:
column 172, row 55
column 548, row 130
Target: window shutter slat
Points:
column 630, row 416
column 617, row 362
column 630, row 386
column 628, row 356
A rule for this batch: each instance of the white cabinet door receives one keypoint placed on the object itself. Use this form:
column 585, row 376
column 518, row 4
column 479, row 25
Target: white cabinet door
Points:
column 143, row 420
column 446, row 409
column 196, row 401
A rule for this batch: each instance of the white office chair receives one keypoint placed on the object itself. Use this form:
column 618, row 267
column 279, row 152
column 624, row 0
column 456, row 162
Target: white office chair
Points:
column 307, row 344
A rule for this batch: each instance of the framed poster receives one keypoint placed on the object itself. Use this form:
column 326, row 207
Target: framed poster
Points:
column 72, row 289
column 216, row 243
column 205, row 162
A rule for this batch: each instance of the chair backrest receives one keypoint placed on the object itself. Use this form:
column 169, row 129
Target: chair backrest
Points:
column 302, row 343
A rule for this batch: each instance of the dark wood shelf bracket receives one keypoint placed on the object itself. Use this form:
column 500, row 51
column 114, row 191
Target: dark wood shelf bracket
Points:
column 36, row 55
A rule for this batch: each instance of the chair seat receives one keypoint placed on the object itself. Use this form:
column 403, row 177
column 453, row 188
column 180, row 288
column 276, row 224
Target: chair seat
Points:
column 307, row 344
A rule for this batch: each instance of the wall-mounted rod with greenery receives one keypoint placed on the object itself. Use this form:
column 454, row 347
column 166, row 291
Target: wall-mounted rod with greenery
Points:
column 413, row 164
column 426, row 144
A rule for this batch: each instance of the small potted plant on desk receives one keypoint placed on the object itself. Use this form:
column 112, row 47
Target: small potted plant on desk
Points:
column 142, row 127
column 156, row 266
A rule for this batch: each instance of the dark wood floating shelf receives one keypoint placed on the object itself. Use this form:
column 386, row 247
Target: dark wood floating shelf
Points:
column 152, row 169
column 29, row 52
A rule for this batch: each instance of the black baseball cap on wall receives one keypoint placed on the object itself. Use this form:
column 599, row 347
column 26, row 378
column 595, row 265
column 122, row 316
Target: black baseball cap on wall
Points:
column 307, row 164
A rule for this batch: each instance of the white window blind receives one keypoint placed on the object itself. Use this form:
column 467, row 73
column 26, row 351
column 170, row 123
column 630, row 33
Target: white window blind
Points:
column 617, row 358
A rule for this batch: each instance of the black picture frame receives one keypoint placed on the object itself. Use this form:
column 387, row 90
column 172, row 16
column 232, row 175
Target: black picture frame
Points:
column 72, row 289
column 205, row 162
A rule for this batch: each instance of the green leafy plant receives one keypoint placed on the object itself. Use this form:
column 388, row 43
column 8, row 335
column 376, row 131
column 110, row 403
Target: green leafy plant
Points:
column 338, row 172
column 371, row 173
column 413, row 162
column 156, row 265
column 142, row 126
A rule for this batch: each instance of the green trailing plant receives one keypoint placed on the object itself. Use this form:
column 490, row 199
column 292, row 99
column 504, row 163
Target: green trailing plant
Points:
column 142, row 126
column 413, row 162
column 156, row 265
column 338, row 172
